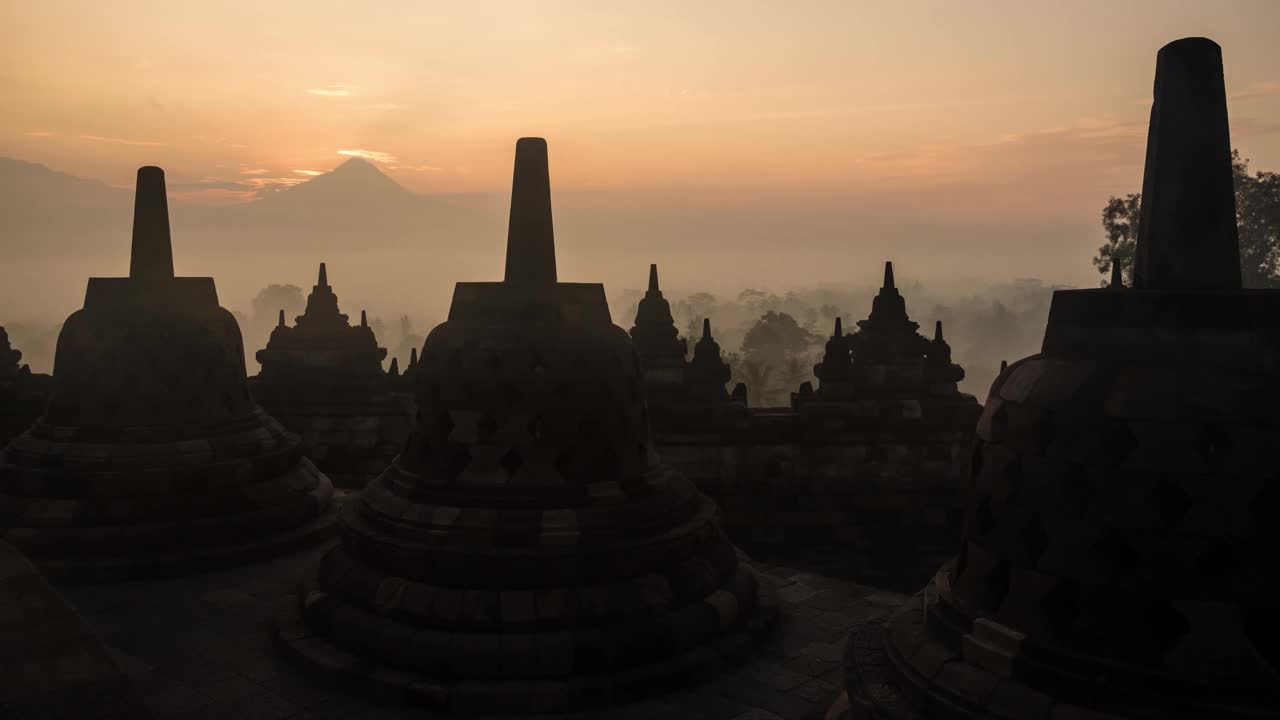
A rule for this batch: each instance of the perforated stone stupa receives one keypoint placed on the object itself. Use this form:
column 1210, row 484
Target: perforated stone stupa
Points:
column 528, row 550
column 1119, row 551
column 152, row 457
column 323, row 379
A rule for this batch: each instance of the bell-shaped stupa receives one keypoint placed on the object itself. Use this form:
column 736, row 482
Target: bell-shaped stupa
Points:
column 151, row 457
column 322, row 378
column 1119, row 552
column 527, row 550
column 662, row 351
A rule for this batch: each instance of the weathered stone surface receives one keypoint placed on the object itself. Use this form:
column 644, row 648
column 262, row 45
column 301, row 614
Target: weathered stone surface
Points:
column 152, row 456
column 566, row 565
column 1119, row 538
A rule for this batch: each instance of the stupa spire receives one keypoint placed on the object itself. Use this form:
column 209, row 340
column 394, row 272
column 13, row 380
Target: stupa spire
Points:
column 937, row 331
column 323, row 280
column 531, row 249
column 888, row 275
column 839, row 331
column 413, row 357
column 1117, row 274
column 152, row 253
column 1187, row 237
column 364, row 319
column 280, row 318
column 706, row 328
column 653, row 278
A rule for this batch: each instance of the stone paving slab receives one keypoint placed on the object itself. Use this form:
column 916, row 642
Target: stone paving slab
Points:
column 200, row 647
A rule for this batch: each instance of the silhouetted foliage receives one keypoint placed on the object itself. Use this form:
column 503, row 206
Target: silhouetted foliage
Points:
column 1257, row 218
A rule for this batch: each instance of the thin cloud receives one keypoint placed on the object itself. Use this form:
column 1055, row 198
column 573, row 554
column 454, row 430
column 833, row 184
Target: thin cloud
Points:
column 1257, row 90
column 374, row 155
column 417, row 168
column 40, row 133
column 309, row 173
column 331, row 91
column 255, row 171
column 122, row 141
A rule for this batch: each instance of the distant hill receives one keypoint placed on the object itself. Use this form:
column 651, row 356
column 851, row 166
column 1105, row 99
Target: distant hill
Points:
column 355, row 204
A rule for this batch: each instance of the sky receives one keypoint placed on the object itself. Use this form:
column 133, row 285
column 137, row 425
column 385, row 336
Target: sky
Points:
column 1001, row 125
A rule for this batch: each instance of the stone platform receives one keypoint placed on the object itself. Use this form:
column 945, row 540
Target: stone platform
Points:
column 200, row 647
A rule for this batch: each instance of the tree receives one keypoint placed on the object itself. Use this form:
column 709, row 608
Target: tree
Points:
column 776, row 337
column 1257, row 221
column 757, row 376
column 271, row 299
column 1120, row 222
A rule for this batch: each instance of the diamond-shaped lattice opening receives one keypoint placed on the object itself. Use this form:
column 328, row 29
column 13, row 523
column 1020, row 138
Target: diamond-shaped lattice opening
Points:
column 1118, row 441
column 457, row 462
column 975, row 462
column 1114, row 555
column 995, row 587
column 1034, row 539
column 1077, row 488
column 444, row 424
column 1012, row 478
column 511, row 462
column 1043, row 430
column 1061, row 606
column 1212, row 444
column 565, row 462
column 982, row 521
column 486, row 429
column 1171, row 501
column 537, row 428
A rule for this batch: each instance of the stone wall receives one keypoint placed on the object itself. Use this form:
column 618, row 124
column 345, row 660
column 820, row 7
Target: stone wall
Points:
column 782, row 475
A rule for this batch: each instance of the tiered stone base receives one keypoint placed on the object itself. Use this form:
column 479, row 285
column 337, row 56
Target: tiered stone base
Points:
column 127, row 508
column 924, row 661
column 443, row 678
column 517, row 608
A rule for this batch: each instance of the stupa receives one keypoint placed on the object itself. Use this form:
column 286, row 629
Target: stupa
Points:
column 662, row 350
column 23, row 394
column 323, row 379
column 152, row 457
column 707, row 373
column 1118, row 558
column 527, row 550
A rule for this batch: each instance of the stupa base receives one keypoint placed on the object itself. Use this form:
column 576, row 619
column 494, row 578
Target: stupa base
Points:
column 173, row 561
column 305, row 646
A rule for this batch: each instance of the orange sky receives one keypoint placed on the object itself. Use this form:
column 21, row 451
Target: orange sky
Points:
column 955, row 110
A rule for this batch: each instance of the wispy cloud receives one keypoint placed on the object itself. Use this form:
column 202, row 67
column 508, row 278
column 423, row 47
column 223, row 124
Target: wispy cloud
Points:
column 331, row 91
column 374, row 155
column 254, row 171
column 122, row 141
column 1257, row 90
column 40, row 133
column 309, row 173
